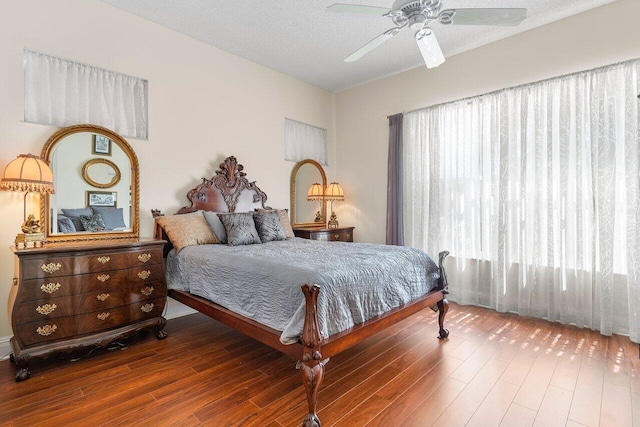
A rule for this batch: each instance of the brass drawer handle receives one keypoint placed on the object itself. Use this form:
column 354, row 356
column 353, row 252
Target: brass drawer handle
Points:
column 336, row 236
column 147, row 290
column 348, row 236
column 46, row 330
column 52, row 267
column 50, row 287
column 103, row 297
column 104, row 259
column 147, row 307
column 144, row 257
column 46, row 309
column 144, row 274
column 103, row 277
column 103, row 316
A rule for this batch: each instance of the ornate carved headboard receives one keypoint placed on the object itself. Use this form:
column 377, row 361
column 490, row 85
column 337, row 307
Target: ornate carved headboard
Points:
column 227, row 191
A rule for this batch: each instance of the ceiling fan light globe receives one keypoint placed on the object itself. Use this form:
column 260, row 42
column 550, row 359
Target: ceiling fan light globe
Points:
column 429, row 48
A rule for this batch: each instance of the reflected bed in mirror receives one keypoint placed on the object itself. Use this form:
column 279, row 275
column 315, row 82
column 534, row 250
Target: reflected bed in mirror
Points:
column 96, row 189
column 308, row 185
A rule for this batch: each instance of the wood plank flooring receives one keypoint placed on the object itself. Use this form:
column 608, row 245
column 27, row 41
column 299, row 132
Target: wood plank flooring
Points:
column 494, row 370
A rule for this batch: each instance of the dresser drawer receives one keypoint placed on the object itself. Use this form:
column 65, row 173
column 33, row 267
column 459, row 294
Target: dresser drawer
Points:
column 37, row 289
column 46, row 267
column 72, row 326
column 52, row 308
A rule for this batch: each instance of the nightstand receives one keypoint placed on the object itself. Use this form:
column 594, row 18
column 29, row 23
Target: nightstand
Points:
column 340, row 234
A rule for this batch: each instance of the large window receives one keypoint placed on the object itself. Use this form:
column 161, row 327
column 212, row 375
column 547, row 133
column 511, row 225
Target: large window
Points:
column 535, row 191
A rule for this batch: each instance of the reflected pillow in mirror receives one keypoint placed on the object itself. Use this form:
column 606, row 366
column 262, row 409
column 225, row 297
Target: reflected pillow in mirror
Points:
column 269, row 226
column 240, row 228
column 187, row 230
column 216, row 225
column 74, row 216
column 112, row 217
column 92, row 223
column 65, row 225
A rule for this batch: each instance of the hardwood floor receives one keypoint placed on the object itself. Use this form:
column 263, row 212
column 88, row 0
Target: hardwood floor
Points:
column 494, row 370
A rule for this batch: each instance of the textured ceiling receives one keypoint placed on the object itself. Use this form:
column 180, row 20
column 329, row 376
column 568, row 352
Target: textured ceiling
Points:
column 300, row 39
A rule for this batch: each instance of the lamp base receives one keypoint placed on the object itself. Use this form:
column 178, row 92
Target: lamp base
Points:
column 29, row 240
column 333, row 221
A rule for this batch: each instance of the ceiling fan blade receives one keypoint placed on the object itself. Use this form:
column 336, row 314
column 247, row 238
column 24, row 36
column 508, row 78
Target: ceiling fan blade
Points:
column 355, row 8
column 483, row 16
column 372, row 44
column 429, row 48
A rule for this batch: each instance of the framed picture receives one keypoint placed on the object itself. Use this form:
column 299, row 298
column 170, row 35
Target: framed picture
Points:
column 101, row 145
column 102, row 198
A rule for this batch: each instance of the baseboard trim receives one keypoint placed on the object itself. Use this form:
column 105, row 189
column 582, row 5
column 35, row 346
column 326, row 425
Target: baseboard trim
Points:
column 5, row 347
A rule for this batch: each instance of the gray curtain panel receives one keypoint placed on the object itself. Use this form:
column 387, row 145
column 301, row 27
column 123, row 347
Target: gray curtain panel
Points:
column 395, row 226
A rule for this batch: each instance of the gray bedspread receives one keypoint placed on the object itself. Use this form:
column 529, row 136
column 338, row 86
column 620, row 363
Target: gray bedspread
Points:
column 357, row 280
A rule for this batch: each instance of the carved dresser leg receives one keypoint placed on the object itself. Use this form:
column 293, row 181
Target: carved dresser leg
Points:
column 311, row 366
column 160, row 328
column 22, row 363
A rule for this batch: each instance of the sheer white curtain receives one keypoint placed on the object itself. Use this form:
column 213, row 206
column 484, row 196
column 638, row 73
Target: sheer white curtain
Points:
column 61, row 93
column 535, row 191
column 303, row 141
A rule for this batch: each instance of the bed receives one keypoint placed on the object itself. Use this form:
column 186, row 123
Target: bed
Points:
column 340, row 305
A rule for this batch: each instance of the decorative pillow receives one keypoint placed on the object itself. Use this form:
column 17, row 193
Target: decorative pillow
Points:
column 92, row 223
column 187, row 230
column 240, row 228
column 74, row 216
column 283, row 214
column 216, row 225
column 112, row 217
column 65, row 225
column 269, row 226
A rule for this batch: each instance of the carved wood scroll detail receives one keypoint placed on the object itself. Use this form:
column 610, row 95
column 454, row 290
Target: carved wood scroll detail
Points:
column 311, row 366
column 228, row 183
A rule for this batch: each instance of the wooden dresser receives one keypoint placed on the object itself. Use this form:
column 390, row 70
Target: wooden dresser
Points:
column 340, row 234
column 73, row 295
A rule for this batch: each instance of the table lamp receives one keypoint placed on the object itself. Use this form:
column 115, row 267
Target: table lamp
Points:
column 316, row 194
column 30, row 174
column 334, row 193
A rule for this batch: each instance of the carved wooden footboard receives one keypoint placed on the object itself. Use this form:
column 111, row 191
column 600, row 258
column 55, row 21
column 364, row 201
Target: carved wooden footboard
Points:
column 222, row 194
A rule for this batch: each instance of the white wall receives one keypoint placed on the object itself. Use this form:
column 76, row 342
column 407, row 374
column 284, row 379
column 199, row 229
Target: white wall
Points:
column 204, row 105
column 598, row 37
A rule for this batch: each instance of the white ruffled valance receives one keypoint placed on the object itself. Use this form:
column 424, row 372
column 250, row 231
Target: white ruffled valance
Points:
column 58, row 92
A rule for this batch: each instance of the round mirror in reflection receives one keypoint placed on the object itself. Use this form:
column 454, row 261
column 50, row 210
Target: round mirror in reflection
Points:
column 101, row 173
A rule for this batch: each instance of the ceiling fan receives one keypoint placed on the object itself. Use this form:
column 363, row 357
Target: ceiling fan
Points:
column 419, row 14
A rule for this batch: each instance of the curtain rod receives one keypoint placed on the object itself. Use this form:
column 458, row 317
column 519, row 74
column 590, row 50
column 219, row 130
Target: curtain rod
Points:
column 523, row 85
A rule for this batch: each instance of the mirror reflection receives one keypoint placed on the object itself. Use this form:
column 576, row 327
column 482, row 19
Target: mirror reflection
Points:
column 95, row 178
column 101, row 173
column 308, row 183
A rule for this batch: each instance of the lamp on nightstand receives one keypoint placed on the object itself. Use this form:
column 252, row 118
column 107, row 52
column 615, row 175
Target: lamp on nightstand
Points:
column 334, row 193
column 30, row 174
column 315, row 194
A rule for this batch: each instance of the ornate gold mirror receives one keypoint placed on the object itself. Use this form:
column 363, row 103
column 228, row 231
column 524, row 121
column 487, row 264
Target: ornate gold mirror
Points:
column 95, row 174
column 308, row 186
column 101, row 173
